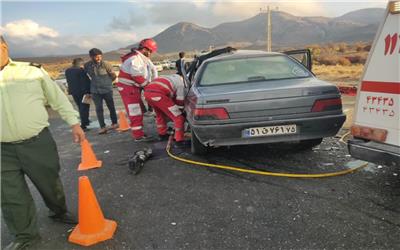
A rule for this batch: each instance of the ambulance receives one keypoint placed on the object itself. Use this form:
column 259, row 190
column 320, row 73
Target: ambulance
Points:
column 376, row 124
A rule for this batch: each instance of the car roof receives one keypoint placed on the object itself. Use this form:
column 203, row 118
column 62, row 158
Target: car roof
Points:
column 241, row 54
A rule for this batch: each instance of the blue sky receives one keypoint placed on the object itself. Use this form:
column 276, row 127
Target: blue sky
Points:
column 55, row 27
column 67, row 17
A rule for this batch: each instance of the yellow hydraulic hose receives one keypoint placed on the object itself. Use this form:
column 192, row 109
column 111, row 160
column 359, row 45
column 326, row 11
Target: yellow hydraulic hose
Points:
column 342, row 138
column 258, row 172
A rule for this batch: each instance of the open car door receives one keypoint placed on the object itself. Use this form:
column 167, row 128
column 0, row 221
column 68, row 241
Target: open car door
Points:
column 303, row 56
column 185, row 75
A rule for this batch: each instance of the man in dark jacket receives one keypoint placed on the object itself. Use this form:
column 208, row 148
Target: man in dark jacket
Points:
column 78, row 86
column 101, row 76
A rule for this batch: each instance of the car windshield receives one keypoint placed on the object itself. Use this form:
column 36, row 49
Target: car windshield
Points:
column 252, row 69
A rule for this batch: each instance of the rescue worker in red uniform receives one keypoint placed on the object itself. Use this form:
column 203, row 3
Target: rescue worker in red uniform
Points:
column 136, row 71
column 166, row 95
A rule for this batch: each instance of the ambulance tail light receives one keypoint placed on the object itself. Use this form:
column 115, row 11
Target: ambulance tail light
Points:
column 327, row 104
column 210, row 114
column 373, row 134
column 394, row 7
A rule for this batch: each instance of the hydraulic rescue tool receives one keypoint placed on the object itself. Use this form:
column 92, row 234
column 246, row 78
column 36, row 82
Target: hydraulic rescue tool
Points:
column 136, row 161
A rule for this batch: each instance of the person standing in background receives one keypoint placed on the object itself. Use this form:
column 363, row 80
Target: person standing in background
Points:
column 101, row 76
column 180, row 63
column 78, row 87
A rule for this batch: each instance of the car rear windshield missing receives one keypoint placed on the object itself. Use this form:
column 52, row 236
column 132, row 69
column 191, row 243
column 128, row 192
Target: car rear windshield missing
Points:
column 252, row 69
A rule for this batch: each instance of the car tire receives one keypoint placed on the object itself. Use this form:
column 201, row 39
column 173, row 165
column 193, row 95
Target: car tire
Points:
column 309, row 144
column 197, row 148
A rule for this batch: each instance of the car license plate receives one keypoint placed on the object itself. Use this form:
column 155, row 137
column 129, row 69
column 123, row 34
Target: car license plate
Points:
column 271, row 130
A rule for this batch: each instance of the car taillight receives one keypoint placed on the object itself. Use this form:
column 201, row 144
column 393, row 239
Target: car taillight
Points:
column 210, row 114
column 374, row 134
column 327, row 104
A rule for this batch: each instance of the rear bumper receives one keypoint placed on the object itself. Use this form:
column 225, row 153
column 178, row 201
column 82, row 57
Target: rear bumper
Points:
column 375, row 152
column 231, row 134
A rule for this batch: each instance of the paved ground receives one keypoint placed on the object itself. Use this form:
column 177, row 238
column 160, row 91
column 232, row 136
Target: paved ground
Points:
column 172, row 205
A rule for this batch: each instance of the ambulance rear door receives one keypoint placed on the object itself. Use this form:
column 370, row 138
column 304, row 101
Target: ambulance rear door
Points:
column 376, row 122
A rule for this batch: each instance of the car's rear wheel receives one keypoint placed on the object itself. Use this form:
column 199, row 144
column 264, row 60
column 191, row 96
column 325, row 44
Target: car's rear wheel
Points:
column 309, row 144
column 197, row 147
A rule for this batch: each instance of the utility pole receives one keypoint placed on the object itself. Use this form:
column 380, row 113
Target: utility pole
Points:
column 269, row 28
column 269, row 31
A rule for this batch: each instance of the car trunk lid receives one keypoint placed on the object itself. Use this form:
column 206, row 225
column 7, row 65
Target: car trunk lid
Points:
column 270, row 99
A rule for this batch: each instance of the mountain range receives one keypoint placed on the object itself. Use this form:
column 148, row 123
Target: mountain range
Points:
column 287, row 30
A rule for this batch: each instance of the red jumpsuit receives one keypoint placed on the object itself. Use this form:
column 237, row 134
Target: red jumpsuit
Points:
column 166, row 95
column 136, row 71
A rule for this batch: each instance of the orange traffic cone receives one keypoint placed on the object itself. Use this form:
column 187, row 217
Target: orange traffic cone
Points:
column 123, row 122
column 92, row 227
column 89, row 159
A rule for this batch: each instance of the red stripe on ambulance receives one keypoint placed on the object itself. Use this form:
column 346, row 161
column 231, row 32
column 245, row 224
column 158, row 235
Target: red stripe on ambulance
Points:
column 381, row 87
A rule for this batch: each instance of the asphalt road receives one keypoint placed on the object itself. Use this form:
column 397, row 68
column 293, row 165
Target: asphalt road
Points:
column 173, row 205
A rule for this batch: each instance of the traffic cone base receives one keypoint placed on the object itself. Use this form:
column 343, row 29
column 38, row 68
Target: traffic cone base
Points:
column 123, row 122
column 80, row 238
column 92, row 227
column 95, row 164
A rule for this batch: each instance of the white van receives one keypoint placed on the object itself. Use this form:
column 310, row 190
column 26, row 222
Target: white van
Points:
column 376, row 125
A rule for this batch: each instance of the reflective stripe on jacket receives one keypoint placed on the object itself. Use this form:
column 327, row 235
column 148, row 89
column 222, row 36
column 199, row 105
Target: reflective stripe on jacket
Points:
column 170, row 85
column 136, row 69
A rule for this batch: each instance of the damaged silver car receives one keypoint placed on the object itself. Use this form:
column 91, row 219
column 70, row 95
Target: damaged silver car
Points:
column 251, row 97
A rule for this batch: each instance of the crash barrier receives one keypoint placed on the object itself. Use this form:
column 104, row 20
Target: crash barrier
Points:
column 89, row 159
column 348, row 90
column 92, row 227
column 123, row 122
column 259, row 172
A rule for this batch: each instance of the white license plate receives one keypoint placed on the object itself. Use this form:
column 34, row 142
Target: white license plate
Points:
column 271, row 130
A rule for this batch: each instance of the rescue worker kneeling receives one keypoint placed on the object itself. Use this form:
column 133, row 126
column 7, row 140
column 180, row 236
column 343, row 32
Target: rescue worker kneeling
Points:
column 166, row 95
